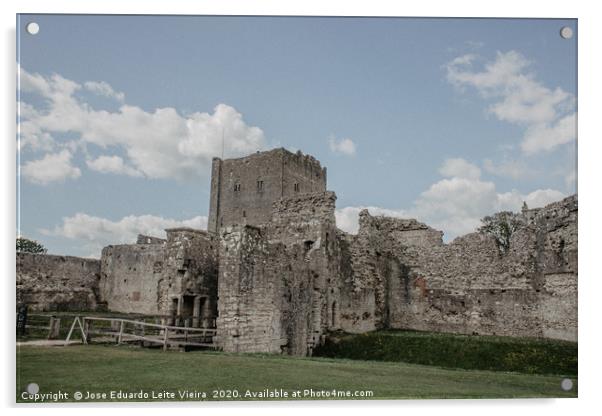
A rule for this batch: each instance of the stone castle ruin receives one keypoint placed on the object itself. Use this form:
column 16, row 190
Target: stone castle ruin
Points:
column 274, row 274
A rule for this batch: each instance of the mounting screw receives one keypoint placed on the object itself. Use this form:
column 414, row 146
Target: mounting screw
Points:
column 566, row 32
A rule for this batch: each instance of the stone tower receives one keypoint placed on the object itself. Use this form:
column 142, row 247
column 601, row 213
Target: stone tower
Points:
column 244, row 189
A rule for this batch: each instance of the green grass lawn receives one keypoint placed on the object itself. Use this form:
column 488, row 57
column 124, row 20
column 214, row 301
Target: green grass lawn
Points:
column 101, row 368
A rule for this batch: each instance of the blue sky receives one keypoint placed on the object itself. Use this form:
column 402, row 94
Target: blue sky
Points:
column 446, row 120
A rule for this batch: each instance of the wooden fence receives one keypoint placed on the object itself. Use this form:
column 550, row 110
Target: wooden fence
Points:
column 44, row 324
column 126, row 330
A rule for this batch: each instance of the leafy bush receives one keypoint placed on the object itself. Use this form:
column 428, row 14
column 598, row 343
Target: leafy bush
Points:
column 501, row 226
column 25, row 245
column 471, row 352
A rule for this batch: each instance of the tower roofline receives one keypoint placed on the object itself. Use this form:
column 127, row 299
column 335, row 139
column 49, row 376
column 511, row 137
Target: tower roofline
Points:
column 298, row 154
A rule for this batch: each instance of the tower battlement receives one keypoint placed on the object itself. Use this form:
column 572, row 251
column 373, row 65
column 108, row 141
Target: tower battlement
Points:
column 244, row 189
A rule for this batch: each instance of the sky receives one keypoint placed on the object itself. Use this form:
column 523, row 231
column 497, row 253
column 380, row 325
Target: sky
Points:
column 443, row 120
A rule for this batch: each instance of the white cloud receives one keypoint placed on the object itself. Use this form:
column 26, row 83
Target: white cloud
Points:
column 53, row 167
column 54, row 87
column 458, row 61
column 460, row 168
column 31, row 135
column 455, row 204
column 542, row 197
column 204, row 134
column 101, row 231
column 112, row 164
column 514, row 169
column 104, row 89
column 519, row 98
column 548, row 136
column 343, row 146
column 158, row 144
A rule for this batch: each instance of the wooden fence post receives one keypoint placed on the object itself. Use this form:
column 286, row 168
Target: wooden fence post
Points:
column 54, row 327
column 87, row 325
column 165, row 336
column 75, row 321
column 83, row 327
column 186, row 325
column 120, row 332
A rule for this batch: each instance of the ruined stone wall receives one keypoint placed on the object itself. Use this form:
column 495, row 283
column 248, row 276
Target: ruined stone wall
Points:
column 279, row 285
column 243, row 189
column 163, row 277
column 147, row 239
column 190, row 275
column 469, row 286
column 380, row 267
column 249, row 287
column 284, row 285
column 305, row 224
column 57, row 283
column 556, row 267
column 130, row 277
column 177, row 276
column 357, row 295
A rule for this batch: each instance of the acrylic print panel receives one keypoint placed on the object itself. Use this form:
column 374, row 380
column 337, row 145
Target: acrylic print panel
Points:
column 393, row 197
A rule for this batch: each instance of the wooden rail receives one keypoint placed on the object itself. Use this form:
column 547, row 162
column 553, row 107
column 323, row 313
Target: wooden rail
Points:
column 166, row 335
column 52, row 327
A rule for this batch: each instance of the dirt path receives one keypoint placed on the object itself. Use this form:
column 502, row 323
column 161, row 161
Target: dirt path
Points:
column 47, row 343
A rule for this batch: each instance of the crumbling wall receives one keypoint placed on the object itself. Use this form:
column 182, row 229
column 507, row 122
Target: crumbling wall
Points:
column 130, row 277
column 189, row 284
column 173, row 277
column 557, row 267
column 249, row 289
column 148, row 239
column 469, row 285
column 305, row 224
column 282, row 286
column 357, row 294
column 279, row 285
column 381, row 262
column 57, row 283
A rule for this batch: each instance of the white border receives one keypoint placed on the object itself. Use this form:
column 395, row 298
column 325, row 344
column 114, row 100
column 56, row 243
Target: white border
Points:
column 589, row 185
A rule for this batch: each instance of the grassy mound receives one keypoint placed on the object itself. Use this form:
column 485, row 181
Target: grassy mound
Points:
column 524, row 355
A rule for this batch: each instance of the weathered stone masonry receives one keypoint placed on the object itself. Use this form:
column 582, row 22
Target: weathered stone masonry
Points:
column 279, row 284
column 394, row 273
column 468, row 286
column 175, row 277
column 243, row 190
column 274, row 274
column 58, row 283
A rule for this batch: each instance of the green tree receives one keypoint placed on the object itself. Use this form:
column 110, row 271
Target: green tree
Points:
column 25, row 245
column 501, row 226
